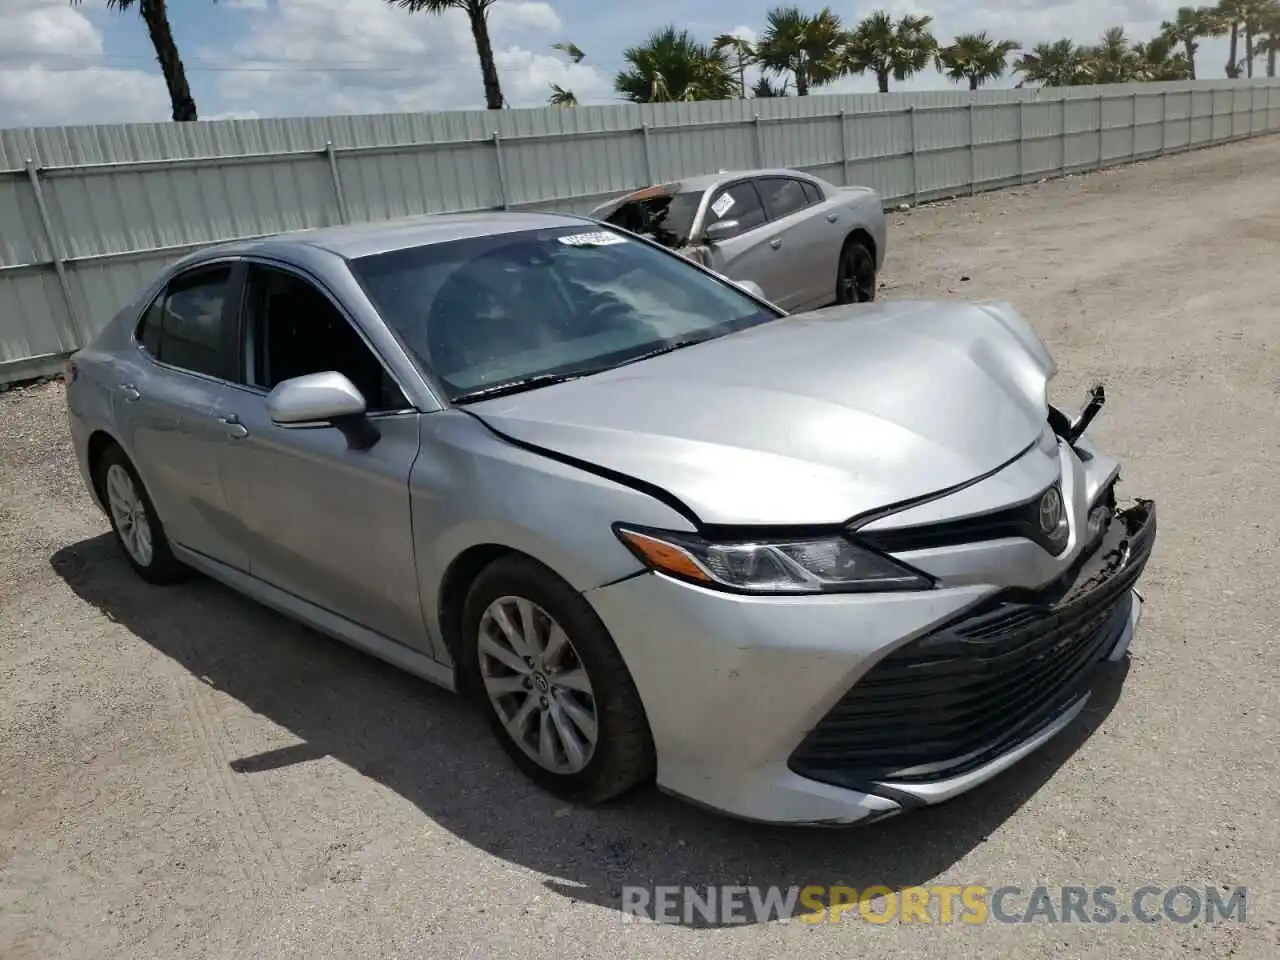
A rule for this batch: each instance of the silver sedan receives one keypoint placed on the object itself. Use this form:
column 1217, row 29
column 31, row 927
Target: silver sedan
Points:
column 817, row 568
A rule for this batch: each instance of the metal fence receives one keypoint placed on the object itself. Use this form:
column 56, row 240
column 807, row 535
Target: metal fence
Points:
column 88, row 214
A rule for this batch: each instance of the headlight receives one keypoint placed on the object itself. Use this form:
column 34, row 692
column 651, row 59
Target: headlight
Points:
column 826, row 564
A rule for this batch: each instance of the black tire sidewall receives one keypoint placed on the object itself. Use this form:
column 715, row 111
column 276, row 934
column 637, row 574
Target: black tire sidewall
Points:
column 849, row 256
column 616, row 699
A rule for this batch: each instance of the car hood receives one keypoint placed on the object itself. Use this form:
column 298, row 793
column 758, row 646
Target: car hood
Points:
column 810, row 419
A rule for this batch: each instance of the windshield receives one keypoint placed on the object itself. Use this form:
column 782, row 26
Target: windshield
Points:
column 667, row 219
column 500, row 310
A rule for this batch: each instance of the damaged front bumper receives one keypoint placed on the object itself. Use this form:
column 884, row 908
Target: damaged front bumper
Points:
column 955, row 706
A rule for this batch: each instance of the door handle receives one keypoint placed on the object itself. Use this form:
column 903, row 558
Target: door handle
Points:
column 129, row 392
column 775, row 243
column 832, row 218
column 235, row 429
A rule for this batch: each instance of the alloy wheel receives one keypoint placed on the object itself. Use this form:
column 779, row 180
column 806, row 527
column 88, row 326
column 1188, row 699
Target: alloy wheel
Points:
column 130, row 515
column 857, row 282
column 538, row 685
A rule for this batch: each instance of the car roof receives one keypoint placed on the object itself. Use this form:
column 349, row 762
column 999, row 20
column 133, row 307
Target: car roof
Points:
column 365, row 239
column 707, row 180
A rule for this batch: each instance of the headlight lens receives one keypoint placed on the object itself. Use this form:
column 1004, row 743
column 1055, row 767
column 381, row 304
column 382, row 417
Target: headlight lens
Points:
column 827, row 564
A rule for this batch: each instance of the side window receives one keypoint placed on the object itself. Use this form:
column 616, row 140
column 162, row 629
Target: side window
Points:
column 739, row 202
column 811, row 192
column 184, row 326
column 782, row 196
column 292, row 329
column 151, row 325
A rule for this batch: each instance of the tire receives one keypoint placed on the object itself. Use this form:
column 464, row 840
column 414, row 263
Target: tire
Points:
column 622, row 755
column 855, row 274
column 116, row 480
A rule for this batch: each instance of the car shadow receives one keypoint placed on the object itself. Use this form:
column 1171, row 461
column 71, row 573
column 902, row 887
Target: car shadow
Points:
column 434, row 750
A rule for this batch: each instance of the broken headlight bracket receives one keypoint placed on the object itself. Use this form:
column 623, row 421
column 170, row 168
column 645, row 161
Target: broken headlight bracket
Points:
column 1073, row 430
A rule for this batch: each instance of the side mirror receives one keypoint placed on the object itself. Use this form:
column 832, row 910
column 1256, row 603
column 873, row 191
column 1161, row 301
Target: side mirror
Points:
column 323, row 398
column 722, row 230
column 751, row 287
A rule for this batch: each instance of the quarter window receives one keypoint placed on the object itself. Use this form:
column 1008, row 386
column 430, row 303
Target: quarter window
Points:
column 782, row 196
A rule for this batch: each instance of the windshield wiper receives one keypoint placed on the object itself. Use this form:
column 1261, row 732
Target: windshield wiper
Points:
column 665, row 348
column 515, row 386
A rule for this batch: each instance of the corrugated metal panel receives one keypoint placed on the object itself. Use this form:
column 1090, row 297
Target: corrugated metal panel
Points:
column 123, row 200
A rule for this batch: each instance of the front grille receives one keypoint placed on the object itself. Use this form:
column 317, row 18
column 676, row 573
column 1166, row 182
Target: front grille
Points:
column 1020, row 520
column 952, row 700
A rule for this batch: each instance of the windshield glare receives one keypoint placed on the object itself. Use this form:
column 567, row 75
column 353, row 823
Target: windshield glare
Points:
column 488, row 311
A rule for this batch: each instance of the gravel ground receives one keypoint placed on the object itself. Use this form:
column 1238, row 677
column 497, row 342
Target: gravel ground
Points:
column 183, row 773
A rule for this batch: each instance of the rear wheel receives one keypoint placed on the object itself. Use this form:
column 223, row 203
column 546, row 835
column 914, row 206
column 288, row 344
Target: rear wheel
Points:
column 856, row 275
column 134, row 521
column 553, row 686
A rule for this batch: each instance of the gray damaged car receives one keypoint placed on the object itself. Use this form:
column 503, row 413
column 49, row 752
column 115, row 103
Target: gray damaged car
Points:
column 803, row 242
column 818, row 568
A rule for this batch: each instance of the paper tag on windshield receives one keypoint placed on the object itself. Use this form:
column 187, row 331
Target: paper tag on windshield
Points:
column 600, row 239
column 722, row 206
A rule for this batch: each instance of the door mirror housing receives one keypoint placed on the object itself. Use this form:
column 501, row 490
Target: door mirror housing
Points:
column 722, row 230
column 327, row 398
column 315, row 398
column 751, row 287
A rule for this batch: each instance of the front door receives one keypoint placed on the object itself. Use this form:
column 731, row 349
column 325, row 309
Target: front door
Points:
column 321, row 520
column 753, row 254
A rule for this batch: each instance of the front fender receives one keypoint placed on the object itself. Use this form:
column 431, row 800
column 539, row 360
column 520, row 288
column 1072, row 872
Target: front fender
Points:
column 470, row 488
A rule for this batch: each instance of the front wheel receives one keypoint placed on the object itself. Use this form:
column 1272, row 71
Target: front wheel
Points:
column 856, row 274
column 552, row 684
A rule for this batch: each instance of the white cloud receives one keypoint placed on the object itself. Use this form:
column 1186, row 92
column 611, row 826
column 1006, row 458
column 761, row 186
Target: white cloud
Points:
column 48, row 74
column 365, row 56
column 384, row 59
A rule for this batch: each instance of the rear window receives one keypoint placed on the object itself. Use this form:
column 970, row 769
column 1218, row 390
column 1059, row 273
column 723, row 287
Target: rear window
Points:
column 667, row 220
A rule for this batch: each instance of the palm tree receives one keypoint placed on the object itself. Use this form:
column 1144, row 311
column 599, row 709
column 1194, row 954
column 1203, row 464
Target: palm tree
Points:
column 764, row 88
column 671, row 65
column 805, row 46
column 1113, row 60
column 156, row 16
column 1270, row 44
column 743, row 51
column 560, row 97
column 1229, row 16
column 1256, row 15
column 570, row 50
column 1188, row 26
column 1157, row 60
column 887, row 47
column 1057, row 64
column 477, row 12
column 975, row 57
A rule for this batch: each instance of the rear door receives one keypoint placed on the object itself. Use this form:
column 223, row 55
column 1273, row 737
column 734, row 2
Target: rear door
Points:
column 806, row 240
column 753, row 253
column 166, row 407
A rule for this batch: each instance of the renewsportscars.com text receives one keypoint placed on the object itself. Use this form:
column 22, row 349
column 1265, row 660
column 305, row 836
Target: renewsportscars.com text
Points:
column 938, row 904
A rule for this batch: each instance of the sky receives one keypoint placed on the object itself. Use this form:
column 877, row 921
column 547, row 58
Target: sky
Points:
column 74, row 63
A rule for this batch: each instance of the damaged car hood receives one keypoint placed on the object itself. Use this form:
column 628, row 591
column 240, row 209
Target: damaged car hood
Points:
column 810, row 419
